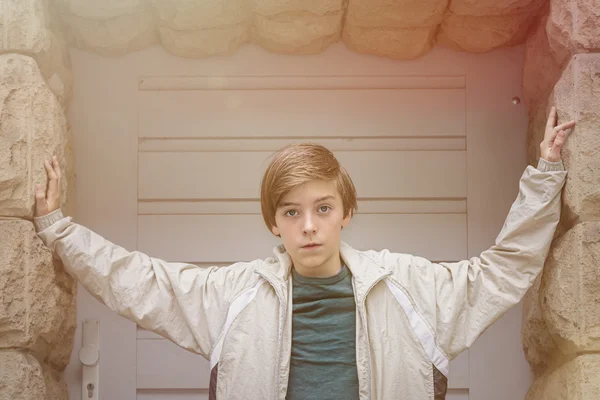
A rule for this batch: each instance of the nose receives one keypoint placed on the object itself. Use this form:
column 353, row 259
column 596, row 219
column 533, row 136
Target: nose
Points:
column 309, row 227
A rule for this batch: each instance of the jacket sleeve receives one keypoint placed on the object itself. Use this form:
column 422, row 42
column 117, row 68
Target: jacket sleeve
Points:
column 182, row 302
column 472, row 294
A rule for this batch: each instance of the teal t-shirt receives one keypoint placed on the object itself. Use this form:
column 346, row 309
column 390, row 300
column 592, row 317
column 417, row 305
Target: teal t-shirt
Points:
column 323, row 362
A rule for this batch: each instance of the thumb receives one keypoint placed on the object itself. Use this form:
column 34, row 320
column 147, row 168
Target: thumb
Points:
column 41, row 206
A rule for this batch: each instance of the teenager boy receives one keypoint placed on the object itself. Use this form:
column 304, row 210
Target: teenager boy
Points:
column 318, row 319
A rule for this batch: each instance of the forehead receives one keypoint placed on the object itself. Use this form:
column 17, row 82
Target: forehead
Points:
column 311, row 191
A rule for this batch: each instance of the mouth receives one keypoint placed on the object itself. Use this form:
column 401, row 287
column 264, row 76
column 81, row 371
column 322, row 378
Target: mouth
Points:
column 311, row 246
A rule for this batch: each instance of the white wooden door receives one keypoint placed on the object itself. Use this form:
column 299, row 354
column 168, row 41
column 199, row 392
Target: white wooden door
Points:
column 170, row 152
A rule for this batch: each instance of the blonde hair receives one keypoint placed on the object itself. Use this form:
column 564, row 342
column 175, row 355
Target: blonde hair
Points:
column 296, row 164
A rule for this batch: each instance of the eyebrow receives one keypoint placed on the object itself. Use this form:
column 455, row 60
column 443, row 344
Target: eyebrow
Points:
column 320, row 199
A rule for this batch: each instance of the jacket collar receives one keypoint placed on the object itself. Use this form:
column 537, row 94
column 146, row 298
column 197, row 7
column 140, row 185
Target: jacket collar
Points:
column 366, row 272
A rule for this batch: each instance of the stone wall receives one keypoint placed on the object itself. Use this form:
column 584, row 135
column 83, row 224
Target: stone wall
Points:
column 561, row 326
column 37, row 298
column 397, row 29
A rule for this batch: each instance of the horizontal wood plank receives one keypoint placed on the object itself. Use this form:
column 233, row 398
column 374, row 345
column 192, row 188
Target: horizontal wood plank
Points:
column 302, row 113
column 163, row 365
column 275, row 143
column 299, row 82
column 237, row 175
column 456, row 394
column 173, row 394
column 253, row 207
column 437, row 237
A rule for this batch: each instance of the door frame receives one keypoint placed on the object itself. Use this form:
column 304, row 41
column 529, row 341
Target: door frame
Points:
column 104, row 120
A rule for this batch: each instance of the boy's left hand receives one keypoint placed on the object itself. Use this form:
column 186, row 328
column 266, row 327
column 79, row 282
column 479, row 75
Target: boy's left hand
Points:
column 554, row 138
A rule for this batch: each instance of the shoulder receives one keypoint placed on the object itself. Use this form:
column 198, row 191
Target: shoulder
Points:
column 405, row 269
column 237, row 277
column 393, row 260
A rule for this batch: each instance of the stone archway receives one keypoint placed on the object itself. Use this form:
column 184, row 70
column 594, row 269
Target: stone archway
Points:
column 37, row 309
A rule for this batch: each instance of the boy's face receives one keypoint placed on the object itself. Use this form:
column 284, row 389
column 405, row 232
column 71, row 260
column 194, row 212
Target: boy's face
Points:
column 309, row 220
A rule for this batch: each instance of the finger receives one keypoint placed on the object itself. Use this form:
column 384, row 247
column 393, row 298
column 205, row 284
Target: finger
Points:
column 56, row 167
column 49, row 170
column 40, row 193
column 52, row 182
column 565, row 126
column 551, row 118
column 40, row 200
column 560, row 140
column 559, row 128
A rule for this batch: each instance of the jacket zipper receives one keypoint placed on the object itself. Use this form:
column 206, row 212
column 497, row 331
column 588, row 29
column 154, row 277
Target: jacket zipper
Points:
column 364, row 319
column 282, row 310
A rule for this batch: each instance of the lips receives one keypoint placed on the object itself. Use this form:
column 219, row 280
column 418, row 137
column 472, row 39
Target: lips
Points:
column 311, row 246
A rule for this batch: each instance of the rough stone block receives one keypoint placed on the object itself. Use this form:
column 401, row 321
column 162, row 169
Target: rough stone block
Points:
column 37, row 304
column 56, row 387
column 296, row 27
column 180, row 15
column 541, row 71
column 399, row 30
column 275, row 7
column 21, row 376
column 538, row 345
column 108, row 27
column 573, row 27
column 535, row 132
column 570, row 290
column 494, row 7
column 32, row 128
column 101, row 10
column 26, row 28
column 576, row 97
column 297, row 33
column 204, row 42
column 200, row 29
column 401, row 44
column 577, row 379
column 380, row 14
column 55, row 65
column 479, row 34
column 537, row 388
column 69, row 173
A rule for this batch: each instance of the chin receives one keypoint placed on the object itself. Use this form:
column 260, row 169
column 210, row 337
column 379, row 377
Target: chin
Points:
column 314, row 261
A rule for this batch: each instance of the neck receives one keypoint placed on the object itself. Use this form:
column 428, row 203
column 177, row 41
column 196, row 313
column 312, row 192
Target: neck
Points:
column 330, row 267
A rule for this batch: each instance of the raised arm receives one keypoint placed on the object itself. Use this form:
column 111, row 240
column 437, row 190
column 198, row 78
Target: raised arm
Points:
column 472, row 294
column 184, row 303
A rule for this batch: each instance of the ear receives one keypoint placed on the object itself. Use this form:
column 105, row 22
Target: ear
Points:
column 275, row 230
column 346, row 220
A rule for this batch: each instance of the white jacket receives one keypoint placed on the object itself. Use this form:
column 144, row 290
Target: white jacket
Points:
column 412, row 318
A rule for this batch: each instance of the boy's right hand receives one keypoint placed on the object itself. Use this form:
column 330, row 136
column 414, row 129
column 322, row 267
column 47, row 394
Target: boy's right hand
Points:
column 47, row 197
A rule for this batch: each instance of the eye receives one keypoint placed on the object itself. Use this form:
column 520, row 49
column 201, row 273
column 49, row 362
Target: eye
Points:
column 324, row 209
column 291, row 213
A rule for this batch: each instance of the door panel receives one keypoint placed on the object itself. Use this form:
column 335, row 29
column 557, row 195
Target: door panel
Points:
column 395, row 184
